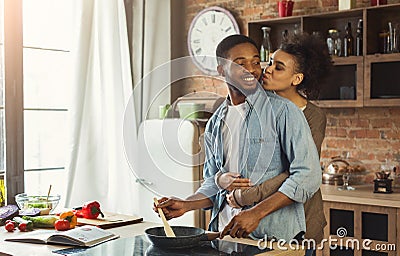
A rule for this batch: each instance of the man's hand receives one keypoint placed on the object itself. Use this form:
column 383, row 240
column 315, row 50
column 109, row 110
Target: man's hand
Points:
column 232, row 180
column 172, row 207
column 247, row 221
column 242, row 224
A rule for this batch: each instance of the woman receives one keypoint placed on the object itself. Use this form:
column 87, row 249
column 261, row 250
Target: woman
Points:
column 296, row 73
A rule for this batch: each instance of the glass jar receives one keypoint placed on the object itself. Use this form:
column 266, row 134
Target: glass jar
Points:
column 355, row 170
column 266, row 45
column 334, row 42
column 384, row 40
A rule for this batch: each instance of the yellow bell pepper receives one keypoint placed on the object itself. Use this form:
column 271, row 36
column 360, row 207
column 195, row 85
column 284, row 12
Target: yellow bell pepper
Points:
column 71, row 217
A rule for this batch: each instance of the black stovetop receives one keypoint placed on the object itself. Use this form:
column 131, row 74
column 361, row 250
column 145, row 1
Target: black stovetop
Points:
column 140, row 245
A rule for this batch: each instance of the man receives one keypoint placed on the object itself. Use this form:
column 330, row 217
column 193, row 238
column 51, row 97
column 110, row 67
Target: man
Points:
column 259, row 135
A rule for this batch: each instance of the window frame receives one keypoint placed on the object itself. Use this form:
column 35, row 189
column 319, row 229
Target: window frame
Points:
column 13, row 99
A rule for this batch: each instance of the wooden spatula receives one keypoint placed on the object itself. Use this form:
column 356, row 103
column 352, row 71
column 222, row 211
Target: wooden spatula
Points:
column 167, row 228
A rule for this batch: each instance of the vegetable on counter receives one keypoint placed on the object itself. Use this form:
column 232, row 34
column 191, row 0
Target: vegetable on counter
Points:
column 23, row 225
column 29, row 212
column 45, row 221
column 10, row 225
column 70, row 217
column 8, row 212
column 62, row 225
column 90, row 210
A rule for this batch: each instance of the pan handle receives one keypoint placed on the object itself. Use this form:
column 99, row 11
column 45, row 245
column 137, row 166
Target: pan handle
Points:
column 209, row 236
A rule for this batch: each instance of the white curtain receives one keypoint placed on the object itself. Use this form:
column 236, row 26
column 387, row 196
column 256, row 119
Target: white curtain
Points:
column 151, row 50
column 97, row 167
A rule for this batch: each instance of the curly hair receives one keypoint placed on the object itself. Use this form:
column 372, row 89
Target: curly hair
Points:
column 229, row 42
column 312, row 59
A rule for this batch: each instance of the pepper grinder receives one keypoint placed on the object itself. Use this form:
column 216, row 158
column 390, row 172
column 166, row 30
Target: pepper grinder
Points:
column 382, row 183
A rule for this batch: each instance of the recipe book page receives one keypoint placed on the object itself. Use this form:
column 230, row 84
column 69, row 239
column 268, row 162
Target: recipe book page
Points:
column 81, row 236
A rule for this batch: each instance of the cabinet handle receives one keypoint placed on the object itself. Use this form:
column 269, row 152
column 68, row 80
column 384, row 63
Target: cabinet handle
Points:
column 144, row 182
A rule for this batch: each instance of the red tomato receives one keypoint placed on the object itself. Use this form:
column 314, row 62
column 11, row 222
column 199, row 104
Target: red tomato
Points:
column 10, row 226
column 61, row 225
column 22, row 226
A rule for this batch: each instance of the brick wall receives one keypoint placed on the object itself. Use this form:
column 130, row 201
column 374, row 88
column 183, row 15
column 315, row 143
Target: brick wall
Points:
column 369, row 134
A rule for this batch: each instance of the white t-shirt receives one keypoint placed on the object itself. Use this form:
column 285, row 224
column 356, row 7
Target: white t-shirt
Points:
column 231, row 132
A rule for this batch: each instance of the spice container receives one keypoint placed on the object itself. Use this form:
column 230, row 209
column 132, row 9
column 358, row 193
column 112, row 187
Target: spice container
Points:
column 384, row 40
column 334, row 42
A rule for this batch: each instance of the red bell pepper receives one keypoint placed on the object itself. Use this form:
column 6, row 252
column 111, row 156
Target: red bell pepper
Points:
column 91, row 210
column 78, row 212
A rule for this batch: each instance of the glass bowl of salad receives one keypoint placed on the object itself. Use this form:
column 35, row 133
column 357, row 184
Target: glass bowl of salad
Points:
column 25, row 201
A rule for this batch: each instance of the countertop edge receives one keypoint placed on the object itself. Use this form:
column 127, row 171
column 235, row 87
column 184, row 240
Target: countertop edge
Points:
column 363, row 194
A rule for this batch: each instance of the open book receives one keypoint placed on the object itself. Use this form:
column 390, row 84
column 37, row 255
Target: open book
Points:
column 85, row 236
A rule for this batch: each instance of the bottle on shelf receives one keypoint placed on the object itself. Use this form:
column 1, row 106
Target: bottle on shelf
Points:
column 359, row 38
column 266, row 45
column 390, row 39
column 348, row 42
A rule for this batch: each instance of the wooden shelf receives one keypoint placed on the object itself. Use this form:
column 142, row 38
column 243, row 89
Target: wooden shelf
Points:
column 382, row 87
column 373, row 84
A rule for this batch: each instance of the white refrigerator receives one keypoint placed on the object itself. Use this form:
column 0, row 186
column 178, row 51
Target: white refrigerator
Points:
column 170, row 163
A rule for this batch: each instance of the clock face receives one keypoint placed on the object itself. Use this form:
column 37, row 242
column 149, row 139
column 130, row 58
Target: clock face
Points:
column 207, row 29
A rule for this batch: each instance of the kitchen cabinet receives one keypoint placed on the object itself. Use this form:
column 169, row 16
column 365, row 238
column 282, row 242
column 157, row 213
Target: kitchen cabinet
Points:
column 360, row 216
column 355, row 81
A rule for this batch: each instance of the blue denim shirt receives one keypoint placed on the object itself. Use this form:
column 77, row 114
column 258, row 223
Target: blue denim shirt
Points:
column 275, row 137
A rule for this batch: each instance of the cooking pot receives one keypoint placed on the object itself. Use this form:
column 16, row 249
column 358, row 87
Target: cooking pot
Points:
column 186, row 237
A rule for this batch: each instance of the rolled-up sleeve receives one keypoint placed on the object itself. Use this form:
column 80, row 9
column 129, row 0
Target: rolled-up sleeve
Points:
column 208, row 188
column 297, row 143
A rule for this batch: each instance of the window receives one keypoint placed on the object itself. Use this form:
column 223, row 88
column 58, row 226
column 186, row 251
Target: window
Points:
column 46, row 30
column 2, row 129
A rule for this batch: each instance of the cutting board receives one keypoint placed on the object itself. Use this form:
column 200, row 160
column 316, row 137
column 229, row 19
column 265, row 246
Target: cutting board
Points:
column 110, row 220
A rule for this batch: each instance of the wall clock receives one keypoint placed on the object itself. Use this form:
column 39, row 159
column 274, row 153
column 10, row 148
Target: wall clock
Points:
column 207, row 29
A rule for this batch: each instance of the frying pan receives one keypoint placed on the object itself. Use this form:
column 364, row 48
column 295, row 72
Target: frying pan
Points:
column 186, row 237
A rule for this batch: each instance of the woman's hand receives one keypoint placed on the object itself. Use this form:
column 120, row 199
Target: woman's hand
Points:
column 232, row 180
column 230, row 198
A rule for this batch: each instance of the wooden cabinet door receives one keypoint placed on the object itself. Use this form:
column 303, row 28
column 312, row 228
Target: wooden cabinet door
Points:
column 363, row 227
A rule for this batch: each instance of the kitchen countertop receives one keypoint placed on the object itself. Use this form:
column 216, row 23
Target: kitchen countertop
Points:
column 27, row 249
column 363, row 194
